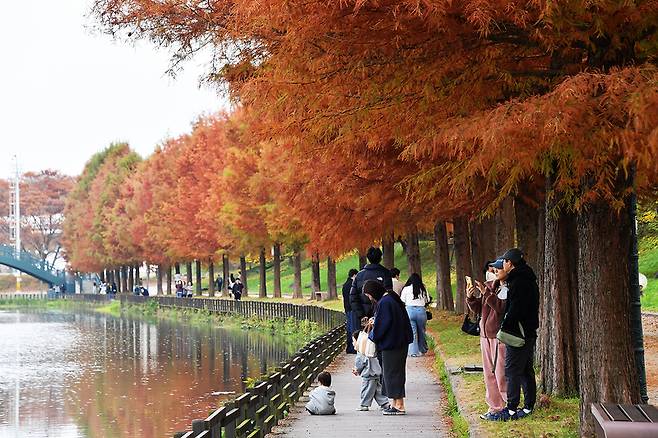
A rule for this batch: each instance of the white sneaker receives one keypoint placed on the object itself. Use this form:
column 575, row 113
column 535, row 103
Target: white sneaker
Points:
column 362, row 408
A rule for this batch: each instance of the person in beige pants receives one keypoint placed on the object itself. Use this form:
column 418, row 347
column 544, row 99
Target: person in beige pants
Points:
column 489, row 301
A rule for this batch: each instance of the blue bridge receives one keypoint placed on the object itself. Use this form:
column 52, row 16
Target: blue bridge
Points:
column 33, row 266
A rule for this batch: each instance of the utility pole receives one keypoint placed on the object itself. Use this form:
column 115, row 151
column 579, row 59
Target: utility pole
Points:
column 15, row 217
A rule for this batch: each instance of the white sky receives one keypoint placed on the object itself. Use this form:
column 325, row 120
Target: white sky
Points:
column 67, row 92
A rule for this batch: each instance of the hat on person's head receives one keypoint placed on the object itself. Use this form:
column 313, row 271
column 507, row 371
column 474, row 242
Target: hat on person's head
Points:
column 498, row 264
column 514, row 255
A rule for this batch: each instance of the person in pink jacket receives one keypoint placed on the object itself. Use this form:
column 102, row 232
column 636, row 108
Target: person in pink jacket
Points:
column 489, row 301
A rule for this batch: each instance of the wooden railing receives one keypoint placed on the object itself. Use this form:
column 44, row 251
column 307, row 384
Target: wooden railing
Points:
column 23, row 295
column 254, row 413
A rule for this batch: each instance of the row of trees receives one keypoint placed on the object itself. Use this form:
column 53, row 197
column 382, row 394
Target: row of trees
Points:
column 362, row 120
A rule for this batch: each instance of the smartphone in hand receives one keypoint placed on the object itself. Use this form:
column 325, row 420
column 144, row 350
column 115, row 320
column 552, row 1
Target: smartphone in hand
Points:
column 469, row 282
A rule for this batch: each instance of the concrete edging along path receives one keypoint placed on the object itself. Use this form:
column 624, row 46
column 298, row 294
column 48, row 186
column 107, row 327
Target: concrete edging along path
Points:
column 424, row 404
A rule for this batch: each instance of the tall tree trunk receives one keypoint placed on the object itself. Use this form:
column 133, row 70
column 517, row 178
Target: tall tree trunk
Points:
column 158, row 281
column 388, row 248
column 243, row 275
column 607, row 367
column 124, row 279
column 211, row 278
column 527, row 229
column 197, row 277
column 505, row 226
column 226, row 274
column 131, row 279
column 331, row 278
column 188, row 271
column 558, row 331
column 463, row 261
column 483, row 248
column 177, row 268
column 413, row 251
column 168, row 272
column 277, row 270
column 363, row 260
column 101, row 276
column 443, row 286
column 297, row 285
column 315, row 273
column 262, row 287
column 138, row 279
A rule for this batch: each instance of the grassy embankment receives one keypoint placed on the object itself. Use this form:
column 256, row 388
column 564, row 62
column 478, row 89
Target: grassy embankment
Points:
column 649, row 267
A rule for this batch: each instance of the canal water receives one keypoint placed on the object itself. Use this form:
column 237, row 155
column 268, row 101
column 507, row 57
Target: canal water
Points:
column 79, row 375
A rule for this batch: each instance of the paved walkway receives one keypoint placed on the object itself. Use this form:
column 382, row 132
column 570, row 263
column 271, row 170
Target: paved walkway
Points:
column 423, row 403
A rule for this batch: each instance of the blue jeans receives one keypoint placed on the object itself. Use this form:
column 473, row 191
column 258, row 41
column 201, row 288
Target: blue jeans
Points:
column 418, row 319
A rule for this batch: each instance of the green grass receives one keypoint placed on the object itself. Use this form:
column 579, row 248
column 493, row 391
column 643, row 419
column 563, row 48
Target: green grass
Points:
column 558, row 419
column 649, row 266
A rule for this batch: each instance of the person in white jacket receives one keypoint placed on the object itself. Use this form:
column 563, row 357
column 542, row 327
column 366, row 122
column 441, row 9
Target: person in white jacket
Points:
column 321, row 399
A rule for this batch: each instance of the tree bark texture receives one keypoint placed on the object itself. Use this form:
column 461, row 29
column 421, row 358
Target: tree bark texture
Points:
column 168, row 272
column 177, row 268
column 101, row 275
column 316, row 285
column 363, row 260
column 505, row 226
column 262, row 287
column 188, row 271
column 413, row 251
column 388, row 248
column 331, row 278
column 197, row 278
column 483, row 246
column 606, row 361
column 243, row 275
column 277, row 270
column 131, row 279
column 226, row 274
column 158, row 280
column 527, row 229
column 442, row 256
column 124, row 279
column 558, row 329
column 211, row 278
column 463, row 261
column 297, row 267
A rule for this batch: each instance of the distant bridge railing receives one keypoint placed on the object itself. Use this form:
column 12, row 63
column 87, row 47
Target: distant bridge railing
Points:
column 254, row 413
column 23, row 295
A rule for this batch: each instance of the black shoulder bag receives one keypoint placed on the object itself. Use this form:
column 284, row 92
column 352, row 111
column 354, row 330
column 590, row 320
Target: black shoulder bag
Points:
column 471, row 327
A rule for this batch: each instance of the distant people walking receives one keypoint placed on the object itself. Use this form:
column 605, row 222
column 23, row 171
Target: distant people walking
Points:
column 351, row 324
column 219, row 282
column 231, row 282
column 237, row 289
column 189, row 289
column 489, row 301
column 360, row 304
column 114, row 287
column 397, row 284
column 415, row 297
column 521, row 319
column 392, row 333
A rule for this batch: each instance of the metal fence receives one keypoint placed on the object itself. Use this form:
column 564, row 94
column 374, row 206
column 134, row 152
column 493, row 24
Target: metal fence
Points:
column 254, row 413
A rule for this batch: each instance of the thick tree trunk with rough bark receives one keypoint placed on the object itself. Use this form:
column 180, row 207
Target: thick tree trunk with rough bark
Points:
column 558, row 331
column 297, row 267
column 168, row 272
column 463, row 261
column 483, row 246
column 505, row 226
column 388, row 248
column 316, row 285
column 331, row 278
column 277, row 270
column 413, row 251
column 606, row 361
column 362, row 259
column 527, row 229
column 262, row 287
column 243, row 276
column 158, row 280
column 226, row 274
column 197, row 278
column 442, row 255
column 211, row 278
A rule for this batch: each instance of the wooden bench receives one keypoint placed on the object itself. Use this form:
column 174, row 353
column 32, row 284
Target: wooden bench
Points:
column 628, row 421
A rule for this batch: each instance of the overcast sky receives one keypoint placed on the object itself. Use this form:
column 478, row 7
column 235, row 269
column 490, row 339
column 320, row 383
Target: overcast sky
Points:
column 67, row 92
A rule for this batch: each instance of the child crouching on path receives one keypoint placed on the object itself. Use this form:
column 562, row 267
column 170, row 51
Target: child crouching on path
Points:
column 371, row 373
column 321, row 399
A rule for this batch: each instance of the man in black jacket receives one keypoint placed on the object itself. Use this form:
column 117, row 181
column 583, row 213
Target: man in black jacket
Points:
column 521, row 319
column 350, row 323
column 360, row 304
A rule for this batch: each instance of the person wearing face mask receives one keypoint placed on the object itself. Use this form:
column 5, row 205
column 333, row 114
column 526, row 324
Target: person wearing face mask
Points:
column 489, row 301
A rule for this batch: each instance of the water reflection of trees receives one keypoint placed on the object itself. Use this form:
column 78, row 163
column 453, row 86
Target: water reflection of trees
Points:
column 157, row 377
